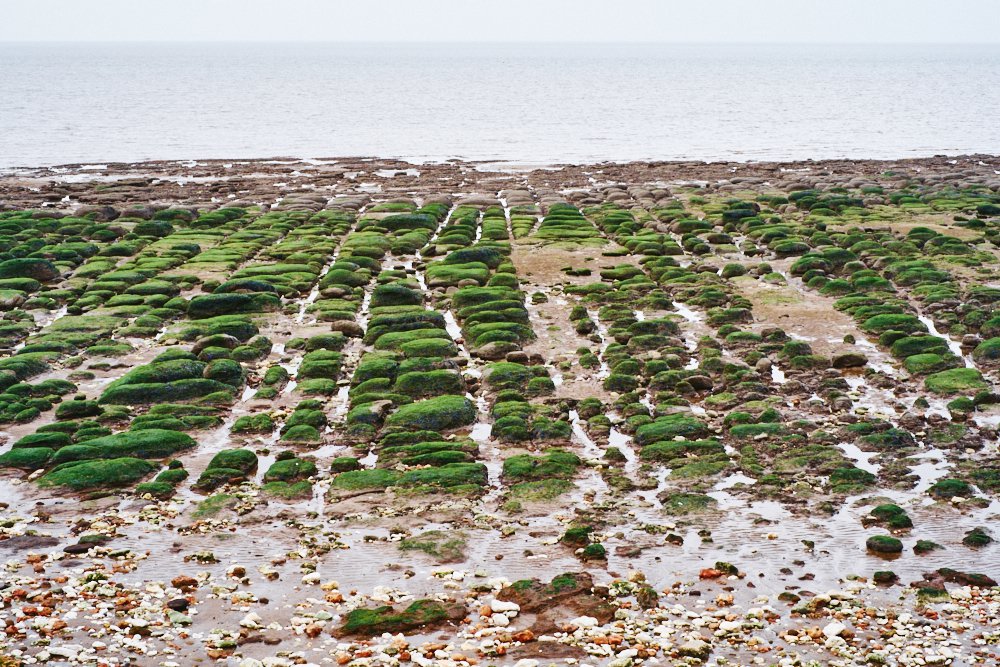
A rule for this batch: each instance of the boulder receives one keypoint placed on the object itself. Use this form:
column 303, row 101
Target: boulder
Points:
column 849, row 360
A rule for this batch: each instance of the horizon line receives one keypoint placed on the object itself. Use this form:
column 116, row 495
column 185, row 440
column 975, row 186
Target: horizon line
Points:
column 493, row 42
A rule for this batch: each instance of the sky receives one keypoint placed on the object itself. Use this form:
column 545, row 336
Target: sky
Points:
column 674, row 21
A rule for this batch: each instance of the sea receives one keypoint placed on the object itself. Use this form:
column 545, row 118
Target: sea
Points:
column 524, row 103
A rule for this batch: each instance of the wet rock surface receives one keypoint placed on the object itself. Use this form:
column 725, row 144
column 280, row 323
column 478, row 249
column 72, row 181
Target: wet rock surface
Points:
column 360, row 412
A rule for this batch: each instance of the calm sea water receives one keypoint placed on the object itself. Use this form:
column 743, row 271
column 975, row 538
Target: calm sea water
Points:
column 524, row 103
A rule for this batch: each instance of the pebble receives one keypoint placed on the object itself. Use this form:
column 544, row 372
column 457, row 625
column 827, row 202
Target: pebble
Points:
column 501, row 606
column 834, row 629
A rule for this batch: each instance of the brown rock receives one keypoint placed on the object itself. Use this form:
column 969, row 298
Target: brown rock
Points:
column 572, row 593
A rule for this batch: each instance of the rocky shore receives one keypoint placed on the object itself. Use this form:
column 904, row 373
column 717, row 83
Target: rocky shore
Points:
column 364, row 412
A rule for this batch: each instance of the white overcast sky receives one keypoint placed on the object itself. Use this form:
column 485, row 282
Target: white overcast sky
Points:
column 960, row 21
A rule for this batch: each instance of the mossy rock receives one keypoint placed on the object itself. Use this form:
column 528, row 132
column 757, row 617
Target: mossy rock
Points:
column 669, row 427
column 374, row 478
column 147, row 422
column 925, row 546
column 595, row 551
column 688, row 503
column 544, row 428
column 258, row 423
column 540, row 386
column 988, row 351
column 442, row 546
column 394, row 339
column 225, row 371
column 892, row 516
column 276, row 376
column 884, row 544
column 375, row 365
column 491, row 257
column 419, row 615
column 214, row 504
column 333, row 342
column 922, row 364
column 961, row 406
column 912, row 345
column 539, row 491
column 173, row 476
column 431, row 453
column 239, row 327
column 406, row 321
column 848, row 480
column 621, row 383
column 946, row 489
column 344, row 464
column 143, row 444
column 435, row 414
column 317, row 387
column 168, row 367
column 27, row 458
column 159, row 490
column 679, row 450
column 223, row 341
column 78, row 409
column 555, row 463
column 167, row 392
column 290, row 491
column 977, row 538
column 448, row 476
column 213, row 478
column 734, row 270
column 429, row 347
column 507, row 375
column 41, row 270
column 97, row 474
column 320, row 364
column 577, row 536
column 894, row 321
column 956, row 381
column 243, row 460
column 429, row 383
column 214, row 305
column 302, row 433
column 49, row 439
column 290, row 470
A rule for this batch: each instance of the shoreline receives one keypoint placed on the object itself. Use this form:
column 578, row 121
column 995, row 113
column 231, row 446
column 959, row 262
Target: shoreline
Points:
column 28, row 186
column 417, row 162
column 622, row 414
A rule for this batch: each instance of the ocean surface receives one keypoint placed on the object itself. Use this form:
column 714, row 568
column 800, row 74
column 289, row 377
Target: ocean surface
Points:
column 525, row 103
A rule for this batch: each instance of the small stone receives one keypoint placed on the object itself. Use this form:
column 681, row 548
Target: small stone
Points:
column 696, row 648
column 177, row 618
column 502, row 606
column 849, row 360
column 834, row 629
column 251, row 620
